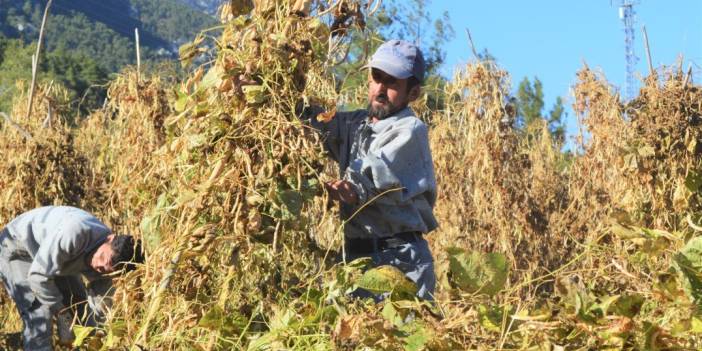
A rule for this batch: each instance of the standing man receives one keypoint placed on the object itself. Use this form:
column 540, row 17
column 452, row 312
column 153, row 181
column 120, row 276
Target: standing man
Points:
column 387, row 189
column 43, row 254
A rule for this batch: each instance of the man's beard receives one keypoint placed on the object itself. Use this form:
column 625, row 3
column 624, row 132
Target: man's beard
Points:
column 381, row 111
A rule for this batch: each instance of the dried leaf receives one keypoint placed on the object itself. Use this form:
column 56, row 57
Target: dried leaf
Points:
column 326, row 117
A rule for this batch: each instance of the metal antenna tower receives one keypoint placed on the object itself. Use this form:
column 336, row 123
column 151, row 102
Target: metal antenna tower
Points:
column 627, row 16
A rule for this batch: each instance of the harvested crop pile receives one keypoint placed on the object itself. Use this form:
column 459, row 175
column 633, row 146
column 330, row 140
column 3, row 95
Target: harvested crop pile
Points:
column 221, row 179
column 498, row 192
column 41, row 165
column 121, row 139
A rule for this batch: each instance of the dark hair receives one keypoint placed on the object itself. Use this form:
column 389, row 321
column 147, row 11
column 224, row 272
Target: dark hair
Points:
column 412, row 82
column 126, row 253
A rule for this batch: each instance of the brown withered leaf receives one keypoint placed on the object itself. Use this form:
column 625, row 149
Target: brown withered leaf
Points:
column 326, row 117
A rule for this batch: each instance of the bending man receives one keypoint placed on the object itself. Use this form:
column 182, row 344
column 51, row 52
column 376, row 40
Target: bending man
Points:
column 44, row 253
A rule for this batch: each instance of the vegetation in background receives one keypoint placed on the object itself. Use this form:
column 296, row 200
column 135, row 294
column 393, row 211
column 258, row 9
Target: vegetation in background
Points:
column 530, row 105
column 396, row 20
column 104, row 29
column 88, row 40
column 82, row 77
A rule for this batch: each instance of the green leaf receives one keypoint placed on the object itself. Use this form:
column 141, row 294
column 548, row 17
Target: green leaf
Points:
column 628, row 305
column 359, row 263
column 607, row 302
column 255, row 94
column 476, row 272
column 212, row 78
column 585, row 309
column 150, row 225
column 688, row 263
column 213, row 319
column 181, row 102
column 81, row 334
column 291, row 202
column 696, row 325
column 418, row 339
column 386, row 279
column 491, row 317
column 391, row 315
column 283, row 319
column 326, row 314
column 625, row 232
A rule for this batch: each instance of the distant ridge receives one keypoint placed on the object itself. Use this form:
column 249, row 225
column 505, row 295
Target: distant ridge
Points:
column 209, row 7
column 104, row 29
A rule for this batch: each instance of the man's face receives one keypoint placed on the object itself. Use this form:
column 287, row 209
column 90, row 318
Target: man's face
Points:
column 386, row 94
column 102, row 257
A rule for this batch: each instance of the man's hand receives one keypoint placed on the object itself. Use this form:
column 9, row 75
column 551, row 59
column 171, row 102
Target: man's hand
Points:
column 63, row 324
column 341, row 190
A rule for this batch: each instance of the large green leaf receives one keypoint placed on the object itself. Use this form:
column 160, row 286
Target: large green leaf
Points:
column 254, row 94
column 476, row 272
column 386, row 279
column 688, row 263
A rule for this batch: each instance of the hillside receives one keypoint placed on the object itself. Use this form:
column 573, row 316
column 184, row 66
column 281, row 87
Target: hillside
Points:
column 104, row 29
column 206, row 6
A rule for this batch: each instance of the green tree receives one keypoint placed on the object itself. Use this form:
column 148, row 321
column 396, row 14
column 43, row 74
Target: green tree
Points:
column 530, row 106
column 104, row 29
column 81, row 75
column 414, row 22
column 397, row 20
column 15, row 64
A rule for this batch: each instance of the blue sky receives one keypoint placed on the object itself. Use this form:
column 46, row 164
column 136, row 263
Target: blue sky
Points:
column 551, row 39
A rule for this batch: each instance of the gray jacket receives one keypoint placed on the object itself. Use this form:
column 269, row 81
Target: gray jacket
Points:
column 58, row 241
column 390, row 157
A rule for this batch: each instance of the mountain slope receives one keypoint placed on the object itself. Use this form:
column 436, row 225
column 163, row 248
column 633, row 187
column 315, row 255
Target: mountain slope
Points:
column 209, row 7
column 104, row 29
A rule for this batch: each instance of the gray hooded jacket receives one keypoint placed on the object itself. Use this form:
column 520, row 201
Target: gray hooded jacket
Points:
column 390, row 166
column 58, row 241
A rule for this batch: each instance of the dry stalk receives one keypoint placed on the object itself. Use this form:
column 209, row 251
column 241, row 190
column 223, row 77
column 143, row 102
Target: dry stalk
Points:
column 35, row 59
